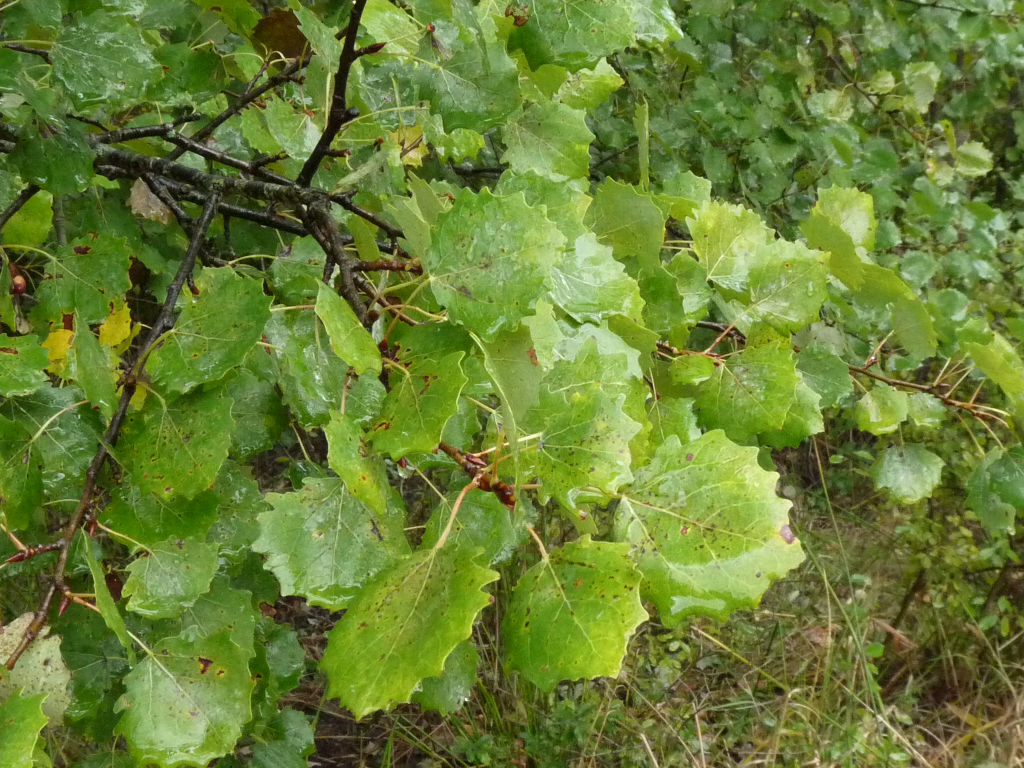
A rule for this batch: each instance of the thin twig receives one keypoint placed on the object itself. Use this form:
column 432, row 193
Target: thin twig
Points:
column 43, row 54
column 389, row 265
column 252, row 92
column 158, row 188
column 346, row 202
column 109, row 440
column 141, row 132
column 184, row 192
column 255, row 170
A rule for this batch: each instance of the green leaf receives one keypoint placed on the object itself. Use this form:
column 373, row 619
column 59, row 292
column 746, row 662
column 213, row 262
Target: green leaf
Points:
column 323, row 543
column 551, row 139
column 585, row 432
column 41, row 668
column 881, row 410
column 513, row 365
column 150, row 519
column 802, row 421
column 222, row 608
column 62, row 451
column 925, row 410
column 403, row 625
column 105, row 601
column 921, row 78
column 58, row 160
column 186, row 702
column 214, row 331
column 998, row 360
column 92, row 369
column 591, row 285
column 21, row 482
column 573, row 613
column 908, row 472
column 575, row 35
column 280, row 662
column 489, row 260
column 995, row 490
column 725, row 238
column 365, row 477
column 32, row 223
column 349, row 340
column 973, row 159
column 170, row 576
column 176, row 448
column 786, row 287
column 853, row 211
column 321, row 36
column 825, row 234
column 289, row 741
column 843, row 223
column 312, row 378
column 259, row 416
column 825, row 373
column 676, row 296
column 705, row 528
column 465, row 72
column 749, row 392
column 673, row 416
column 482, row 525
column 102, row 57
column 424, row 395
column 589, row 88
column 22, row 360
column 566, row 200
column 86, row 279
column 913, row 328
column 237, row 15
column 881, row 82
column 629, row 222
column 448, row 692
column 21, row 721
column 683, row 193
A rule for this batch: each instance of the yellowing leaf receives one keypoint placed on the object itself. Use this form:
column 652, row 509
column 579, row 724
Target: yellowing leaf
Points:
column 57, row 345
column 117, row 328
column 410, row 139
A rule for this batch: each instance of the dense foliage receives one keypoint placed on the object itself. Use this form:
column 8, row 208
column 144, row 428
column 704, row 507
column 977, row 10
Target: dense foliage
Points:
column 387, row 306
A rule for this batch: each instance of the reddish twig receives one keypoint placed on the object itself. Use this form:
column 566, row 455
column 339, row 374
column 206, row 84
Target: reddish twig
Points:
column 477, row 468
column 30, row 552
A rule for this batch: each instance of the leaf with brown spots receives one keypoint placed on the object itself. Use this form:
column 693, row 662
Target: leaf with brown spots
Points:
column 186, row 702
column 402, row 626
column 573, row 613
column 323, row 543
column 214, row 331
column 176, row 448
column 170, row 577
column 706, row 528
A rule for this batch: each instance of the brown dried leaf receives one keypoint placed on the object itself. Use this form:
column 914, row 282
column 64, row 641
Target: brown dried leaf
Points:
column 147, row 205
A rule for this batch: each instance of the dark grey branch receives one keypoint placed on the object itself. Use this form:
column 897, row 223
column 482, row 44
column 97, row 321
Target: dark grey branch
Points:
column 339, row 113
